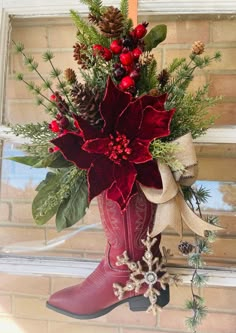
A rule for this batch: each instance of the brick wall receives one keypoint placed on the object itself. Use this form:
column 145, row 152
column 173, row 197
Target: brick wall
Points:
column 22, row 298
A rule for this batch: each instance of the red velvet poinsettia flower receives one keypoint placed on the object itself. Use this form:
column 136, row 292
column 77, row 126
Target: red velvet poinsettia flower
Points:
column 117, row 156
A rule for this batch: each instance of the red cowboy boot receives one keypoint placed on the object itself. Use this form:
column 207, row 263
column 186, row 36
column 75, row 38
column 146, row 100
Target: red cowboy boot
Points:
column 95, row 296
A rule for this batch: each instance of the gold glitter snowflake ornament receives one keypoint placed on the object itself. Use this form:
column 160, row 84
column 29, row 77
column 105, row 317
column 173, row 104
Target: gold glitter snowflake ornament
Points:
column 151, row 273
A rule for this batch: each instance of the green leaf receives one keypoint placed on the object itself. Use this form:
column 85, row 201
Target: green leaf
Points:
column 59, row 161
column 155, row 36
column 53, row 160
column 73, row 208
column 45, row 181
column 46, row 189
column 27, row 160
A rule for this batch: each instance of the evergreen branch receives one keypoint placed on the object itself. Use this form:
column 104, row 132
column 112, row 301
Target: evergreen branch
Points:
column 124, row 8
column 37, row 133
column 88, row 34
column 30, row 60
column 61, row 84
column 164, row 152
column 31, row 86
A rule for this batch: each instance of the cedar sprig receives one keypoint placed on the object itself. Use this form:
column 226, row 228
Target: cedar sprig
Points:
column 38, row 133
column 164, row 152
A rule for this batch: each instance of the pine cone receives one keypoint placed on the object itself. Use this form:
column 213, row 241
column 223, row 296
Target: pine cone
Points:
column 111, row 22
column 87, row 100
column 80, row 56
column 146, row 58
column 163, row 77
column 93, row 19
column 185, row 247
column 198, row 47
column 70, row 75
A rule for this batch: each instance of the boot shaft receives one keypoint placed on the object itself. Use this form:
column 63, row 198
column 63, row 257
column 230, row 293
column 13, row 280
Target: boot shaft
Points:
column 125, row 230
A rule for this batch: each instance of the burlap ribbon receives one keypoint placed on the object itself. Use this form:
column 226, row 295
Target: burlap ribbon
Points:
column 172, row 209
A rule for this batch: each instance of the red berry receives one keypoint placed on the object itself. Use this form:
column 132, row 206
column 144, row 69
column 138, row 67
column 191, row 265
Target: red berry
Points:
column 106, row 54
column 126, row 83
column 116, row 46
column 136, row 53
column 53, row 98
column 140, row 30
column 97, row 49
column 126, row 58
column 54, row 127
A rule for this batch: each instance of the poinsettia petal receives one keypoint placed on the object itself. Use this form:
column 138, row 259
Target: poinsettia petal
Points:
column 114, row 102
column 100, row 176
column 88, row 131
column 70, row 145
column 155, row 124
column 130, row 120
column 98, row 146
column 114, row 194
column 140, row 151
column 148, row 174
column 155, row 101
column 125, row 175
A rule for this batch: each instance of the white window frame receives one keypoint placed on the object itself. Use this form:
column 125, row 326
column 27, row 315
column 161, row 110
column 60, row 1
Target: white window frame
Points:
column 53, row 8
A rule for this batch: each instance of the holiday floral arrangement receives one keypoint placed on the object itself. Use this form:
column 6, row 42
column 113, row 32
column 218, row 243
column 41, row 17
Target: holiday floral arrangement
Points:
column 119, row 126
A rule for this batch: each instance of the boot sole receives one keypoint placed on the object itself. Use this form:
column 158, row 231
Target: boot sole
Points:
column 137, row 303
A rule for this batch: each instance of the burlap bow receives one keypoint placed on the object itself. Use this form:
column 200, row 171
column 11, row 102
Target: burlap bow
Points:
column 172, row 209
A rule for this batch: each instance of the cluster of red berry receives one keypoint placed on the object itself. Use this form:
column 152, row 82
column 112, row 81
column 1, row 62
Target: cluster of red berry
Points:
column 61, row 123
column 126, row 51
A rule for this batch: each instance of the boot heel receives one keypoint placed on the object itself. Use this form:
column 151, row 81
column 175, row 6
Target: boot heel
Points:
column 141, row 303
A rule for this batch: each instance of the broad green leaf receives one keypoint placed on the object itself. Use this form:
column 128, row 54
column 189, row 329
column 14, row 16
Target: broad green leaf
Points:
column 45, row 181
column 155, row 36
column 59, row 161
column 27, row 160
column 47, row 188
column 53, row 160
column 73, row 209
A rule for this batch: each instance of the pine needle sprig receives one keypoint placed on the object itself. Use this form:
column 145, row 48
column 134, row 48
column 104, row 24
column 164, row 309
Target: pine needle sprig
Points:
column 195, row 259
column 199, row 312
column 124, row 8
column 36, row 90
column 88, row 34
column 55, row 73
column 95, row 8
column 148, row 77
column 29, row 61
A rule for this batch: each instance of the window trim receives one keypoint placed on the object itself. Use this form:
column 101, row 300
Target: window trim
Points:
column 27, row 265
